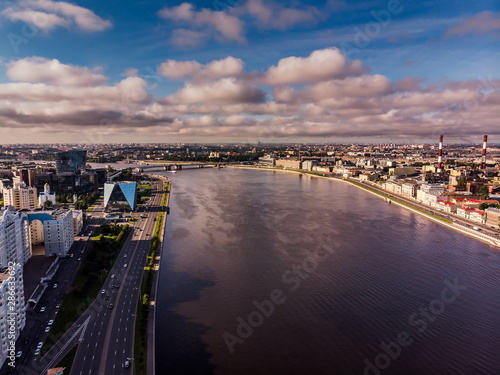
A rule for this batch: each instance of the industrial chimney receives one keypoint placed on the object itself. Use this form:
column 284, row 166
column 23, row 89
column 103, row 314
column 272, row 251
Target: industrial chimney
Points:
column 483, row 158
column 440, row 155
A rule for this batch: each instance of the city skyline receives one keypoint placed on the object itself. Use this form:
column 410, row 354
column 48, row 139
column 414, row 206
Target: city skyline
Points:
column 248, row 71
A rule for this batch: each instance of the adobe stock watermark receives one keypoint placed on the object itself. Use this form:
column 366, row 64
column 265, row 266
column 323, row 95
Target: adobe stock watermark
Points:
column 12, row 312
column 364, row 36
column 292, row 278
column 420, row 322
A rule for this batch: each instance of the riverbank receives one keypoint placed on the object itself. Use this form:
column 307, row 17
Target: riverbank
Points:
column 468, row 232
column 151, row 324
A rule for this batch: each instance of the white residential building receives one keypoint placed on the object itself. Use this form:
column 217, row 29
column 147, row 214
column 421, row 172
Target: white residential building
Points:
column 465, row 212
column 12, row 309
column 477, row 216
column 309, row 164
column 58, row 231
column 15, row 244
column 392, row 187
column 20, row 197
column 409, row 189
column 429, row 194
column 77, row 222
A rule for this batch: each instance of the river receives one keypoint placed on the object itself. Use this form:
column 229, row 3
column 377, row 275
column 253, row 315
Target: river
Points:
column 274, row 273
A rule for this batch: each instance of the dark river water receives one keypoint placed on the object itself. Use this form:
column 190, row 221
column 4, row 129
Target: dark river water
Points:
column 272, row 273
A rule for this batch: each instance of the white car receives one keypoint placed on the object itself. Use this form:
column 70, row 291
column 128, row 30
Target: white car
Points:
column 39, row 346
column 50, row 322
column 37, row 352
column 42, row 309
column 20, row 353
column 47, row 329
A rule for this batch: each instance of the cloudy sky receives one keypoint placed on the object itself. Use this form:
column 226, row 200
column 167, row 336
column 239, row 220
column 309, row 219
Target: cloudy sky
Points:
column 91, row 71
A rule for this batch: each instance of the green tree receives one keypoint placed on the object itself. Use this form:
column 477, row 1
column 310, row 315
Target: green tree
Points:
column 47, row 204
column 484, row 191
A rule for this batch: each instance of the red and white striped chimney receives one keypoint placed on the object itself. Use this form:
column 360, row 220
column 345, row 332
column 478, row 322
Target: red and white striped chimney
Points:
column 483, row 158
column 440, row 155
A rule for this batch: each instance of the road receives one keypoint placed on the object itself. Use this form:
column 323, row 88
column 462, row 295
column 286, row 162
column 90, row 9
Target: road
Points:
column 456, row 219
column 109, row 337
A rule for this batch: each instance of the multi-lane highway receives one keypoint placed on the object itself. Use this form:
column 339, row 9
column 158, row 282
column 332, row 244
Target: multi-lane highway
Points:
column 108, row 343
column 105, row 331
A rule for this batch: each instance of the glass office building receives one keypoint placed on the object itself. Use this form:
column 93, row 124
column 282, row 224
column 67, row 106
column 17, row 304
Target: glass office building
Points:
column 120, row 195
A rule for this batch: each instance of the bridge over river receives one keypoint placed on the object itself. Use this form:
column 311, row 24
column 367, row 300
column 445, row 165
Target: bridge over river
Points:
column 175, row 166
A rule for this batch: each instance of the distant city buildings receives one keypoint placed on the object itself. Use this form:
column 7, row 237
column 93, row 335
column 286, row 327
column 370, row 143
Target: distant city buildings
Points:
column 20, row 197
column 70, row 161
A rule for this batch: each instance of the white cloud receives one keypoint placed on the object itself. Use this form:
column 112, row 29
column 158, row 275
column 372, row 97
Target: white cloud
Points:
column 478, row 24
column 39, row 69
column 320, row 65
column 189, row 38
column 48, row 14
column 219, row 99
column 222, row 25
column 226, row 67
column 272, row 15
column 224, row 91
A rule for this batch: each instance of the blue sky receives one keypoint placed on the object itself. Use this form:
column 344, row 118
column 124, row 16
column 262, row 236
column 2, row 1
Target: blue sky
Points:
column 441, row 51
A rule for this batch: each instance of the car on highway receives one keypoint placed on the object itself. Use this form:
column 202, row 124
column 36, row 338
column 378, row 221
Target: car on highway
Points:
column 113, row 276
column 39, row 346
column 51, row 321
column 72, row 255
column 42, row 309
column 110, row 306
column 126, row 364
column 58, row 305
column 54, row 286
column 103, row 291
column 37, row 352
column 19, row 353
column 47, row 329
column 125, row 265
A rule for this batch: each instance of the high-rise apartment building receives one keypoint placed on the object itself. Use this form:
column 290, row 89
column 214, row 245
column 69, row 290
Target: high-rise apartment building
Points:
column 15, row 244
column 21, row 197
column 58, row 231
